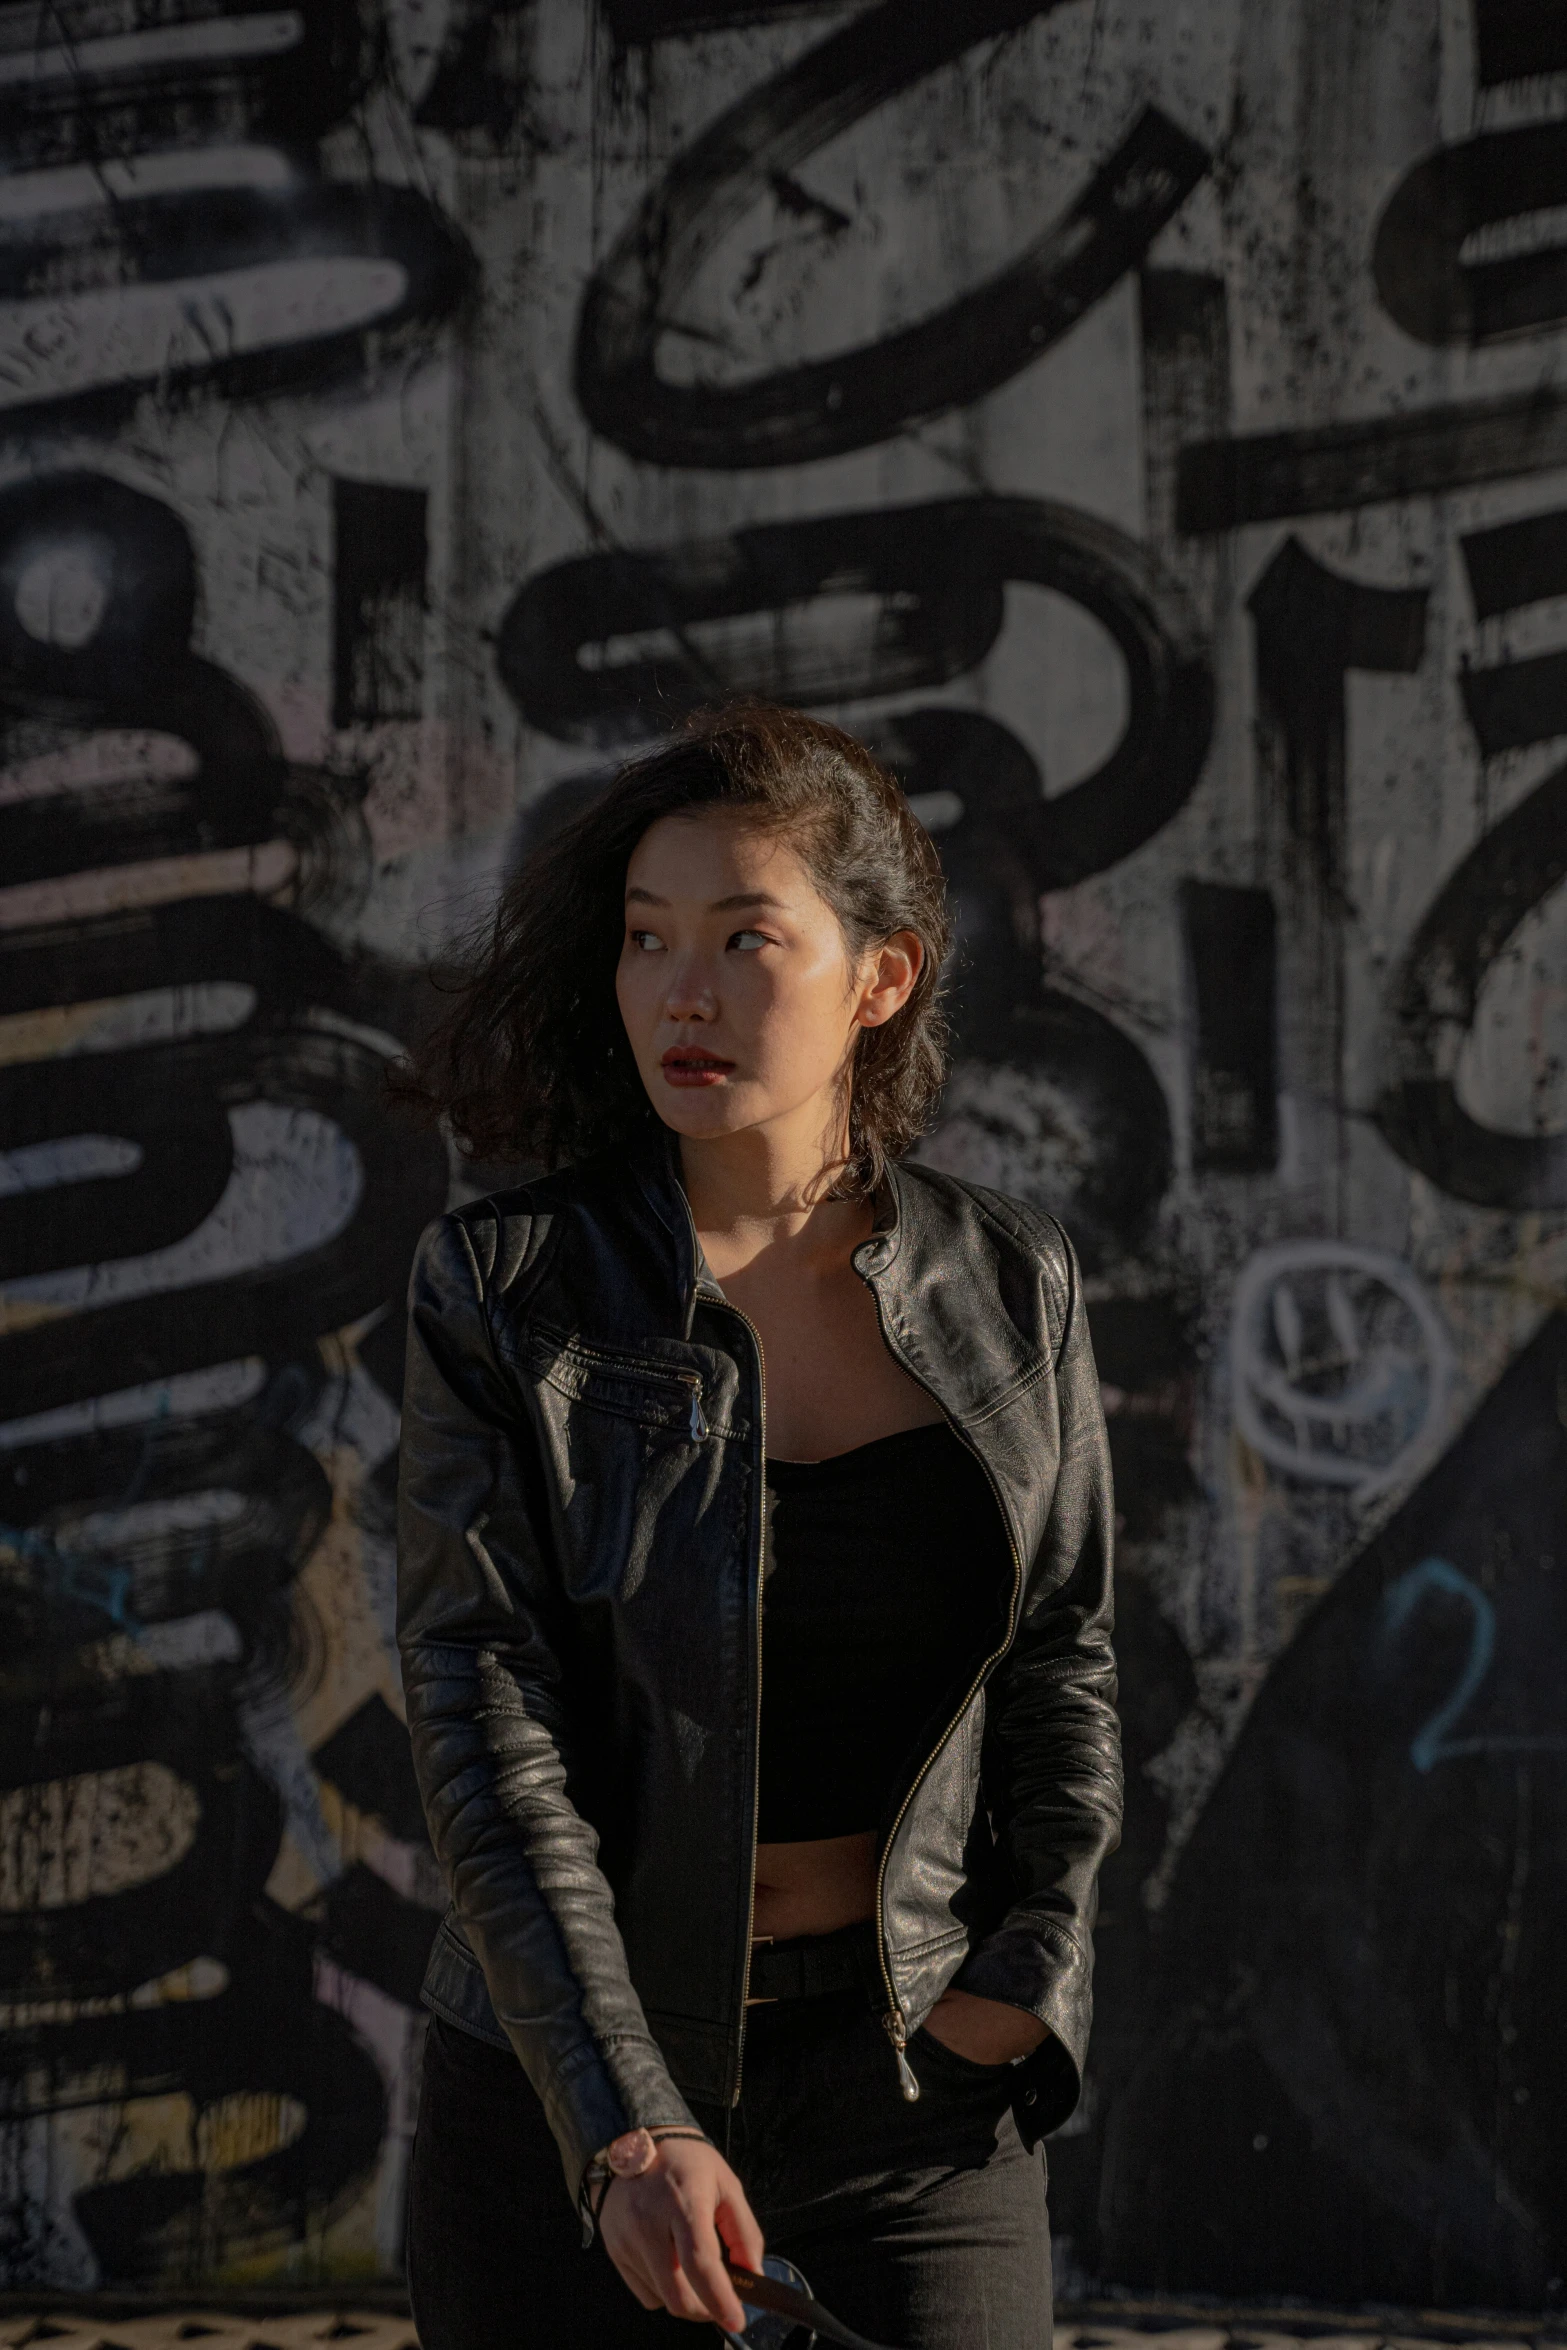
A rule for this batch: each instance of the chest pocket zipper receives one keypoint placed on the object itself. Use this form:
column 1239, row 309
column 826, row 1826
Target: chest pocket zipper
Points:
column 608, row 1381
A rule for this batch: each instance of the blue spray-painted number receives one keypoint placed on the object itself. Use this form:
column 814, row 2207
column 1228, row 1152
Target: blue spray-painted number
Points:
column 1431, row 1742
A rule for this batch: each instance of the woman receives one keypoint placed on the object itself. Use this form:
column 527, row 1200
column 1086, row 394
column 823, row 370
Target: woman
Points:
column 785, row 1909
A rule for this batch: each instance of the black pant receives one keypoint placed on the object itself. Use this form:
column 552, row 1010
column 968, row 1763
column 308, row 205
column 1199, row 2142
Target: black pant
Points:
column 922, row 2226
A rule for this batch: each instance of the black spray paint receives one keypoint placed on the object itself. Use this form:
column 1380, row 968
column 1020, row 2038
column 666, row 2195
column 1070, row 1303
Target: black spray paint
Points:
column 212, row 1512
column 975, row 343
column 1372, row 2040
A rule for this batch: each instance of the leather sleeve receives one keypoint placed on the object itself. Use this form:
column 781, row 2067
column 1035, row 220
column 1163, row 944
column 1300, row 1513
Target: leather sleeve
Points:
column 481, row 1628
column 1053, row 1751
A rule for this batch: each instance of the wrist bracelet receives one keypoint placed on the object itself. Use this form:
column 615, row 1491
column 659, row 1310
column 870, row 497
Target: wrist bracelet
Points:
column 626, row 2157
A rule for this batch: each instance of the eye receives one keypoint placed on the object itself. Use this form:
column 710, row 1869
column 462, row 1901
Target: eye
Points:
column 647, row 942
column 749, row 940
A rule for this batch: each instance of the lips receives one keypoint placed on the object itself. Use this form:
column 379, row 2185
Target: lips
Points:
column 693, row 1064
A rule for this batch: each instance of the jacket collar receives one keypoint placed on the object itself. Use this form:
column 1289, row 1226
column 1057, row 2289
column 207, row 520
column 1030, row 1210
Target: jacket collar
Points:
column 655, row 1164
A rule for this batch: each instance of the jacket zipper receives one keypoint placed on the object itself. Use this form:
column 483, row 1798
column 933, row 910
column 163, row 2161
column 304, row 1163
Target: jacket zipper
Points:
column 697, row 1417
column 894, row 2022
column 756, row 1759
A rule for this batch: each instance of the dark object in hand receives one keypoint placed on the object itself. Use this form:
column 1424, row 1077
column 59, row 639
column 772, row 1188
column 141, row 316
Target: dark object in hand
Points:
column 787, row 2295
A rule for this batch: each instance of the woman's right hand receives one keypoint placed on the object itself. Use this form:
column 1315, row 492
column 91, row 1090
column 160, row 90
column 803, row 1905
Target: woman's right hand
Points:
column 666, row 2231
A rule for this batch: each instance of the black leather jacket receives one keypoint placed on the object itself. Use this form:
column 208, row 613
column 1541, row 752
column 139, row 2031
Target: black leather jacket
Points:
column 580, row 1549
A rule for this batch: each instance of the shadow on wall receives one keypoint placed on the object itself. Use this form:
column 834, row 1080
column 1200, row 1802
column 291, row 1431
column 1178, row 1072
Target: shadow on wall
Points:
column 1352, row 2077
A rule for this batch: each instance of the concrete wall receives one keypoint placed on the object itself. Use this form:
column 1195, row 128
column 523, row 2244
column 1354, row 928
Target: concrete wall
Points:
column 1144, row 422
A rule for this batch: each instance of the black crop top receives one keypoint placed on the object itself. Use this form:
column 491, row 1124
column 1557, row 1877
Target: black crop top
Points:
column 887, row 1584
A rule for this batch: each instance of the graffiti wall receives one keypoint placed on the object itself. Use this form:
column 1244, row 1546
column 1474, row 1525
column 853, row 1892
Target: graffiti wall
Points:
column 1146, row 425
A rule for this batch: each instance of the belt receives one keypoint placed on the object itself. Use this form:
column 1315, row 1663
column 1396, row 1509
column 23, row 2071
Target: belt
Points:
column 812, row 1965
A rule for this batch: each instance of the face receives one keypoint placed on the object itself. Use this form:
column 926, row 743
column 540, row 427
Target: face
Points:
column 734, row 981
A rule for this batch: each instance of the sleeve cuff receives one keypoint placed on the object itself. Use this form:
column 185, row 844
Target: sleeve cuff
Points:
column 1034, row 1965
column 588, row 2108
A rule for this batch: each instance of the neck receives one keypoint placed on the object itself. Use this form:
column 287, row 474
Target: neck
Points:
column 754, row 1190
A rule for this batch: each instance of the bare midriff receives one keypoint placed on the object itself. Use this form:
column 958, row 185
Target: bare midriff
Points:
column 813, row 1888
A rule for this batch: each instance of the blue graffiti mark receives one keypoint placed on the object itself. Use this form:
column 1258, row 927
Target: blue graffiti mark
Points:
column 1431, row 1743
column 146, row 1451
column 65, row 1575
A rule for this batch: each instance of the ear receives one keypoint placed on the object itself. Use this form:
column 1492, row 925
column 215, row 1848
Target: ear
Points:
column 888, row 976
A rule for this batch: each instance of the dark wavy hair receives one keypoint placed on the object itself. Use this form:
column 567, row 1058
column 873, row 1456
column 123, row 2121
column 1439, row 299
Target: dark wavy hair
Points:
column 530, row 1060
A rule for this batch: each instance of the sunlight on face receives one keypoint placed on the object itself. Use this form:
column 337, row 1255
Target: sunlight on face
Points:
column 734, row 981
